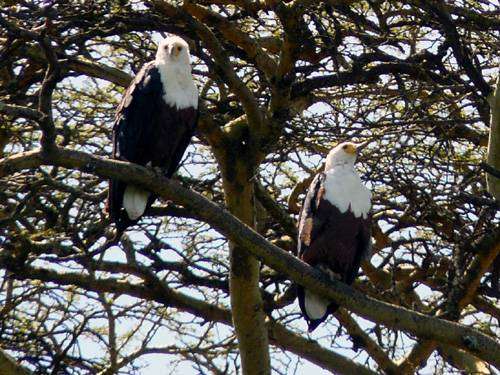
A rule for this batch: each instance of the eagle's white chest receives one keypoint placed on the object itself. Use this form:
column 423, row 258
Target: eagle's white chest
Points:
column 179, row 88
column 345, row 190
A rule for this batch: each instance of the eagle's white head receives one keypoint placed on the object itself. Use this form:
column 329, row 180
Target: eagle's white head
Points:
column 343, row 154
column 174, row 65
column 173, row 51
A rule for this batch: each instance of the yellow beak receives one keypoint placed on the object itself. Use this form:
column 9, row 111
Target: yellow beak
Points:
column 362, row 145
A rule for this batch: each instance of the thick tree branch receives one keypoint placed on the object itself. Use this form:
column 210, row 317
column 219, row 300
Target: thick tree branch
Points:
column 233, row 33
column 52, row 75
column 20, row 111
column 418, row 355
column 494, row 142
column 98, row 70
column 463, row 360
column 8, row 365
column 371, row 75
column 392, row 316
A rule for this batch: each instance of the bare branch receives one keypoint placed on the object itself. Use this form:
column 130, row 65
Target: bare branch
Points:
column 97, row 70
column 158, row 291
column 460, row 50
column 52, row 75
column 392, row 316
column 19, row 111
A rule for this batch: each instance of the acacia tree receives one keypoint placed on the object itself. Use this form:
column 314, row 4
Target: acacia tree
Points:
column 208, row 276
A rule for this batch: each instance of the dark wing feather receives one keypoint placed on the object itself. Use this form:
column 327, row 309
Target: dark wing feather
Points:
column 172, row 137
column 363, row 249
column 310, row 226
column 131, row 130
column 189, row 119
column 147, row 130
column 134, row 120
column 309, row 223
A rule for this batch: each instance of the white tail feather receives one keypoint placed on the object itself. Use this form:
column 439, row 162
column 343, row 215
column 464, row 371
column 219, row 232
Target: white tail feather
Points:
column 135, row 201
column 315, row 305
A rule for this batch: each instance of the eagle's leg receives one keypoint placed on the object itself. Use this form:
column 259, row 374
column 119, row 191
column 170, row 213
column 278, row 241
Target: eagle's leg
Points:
column 333, row 275
column 158, row 171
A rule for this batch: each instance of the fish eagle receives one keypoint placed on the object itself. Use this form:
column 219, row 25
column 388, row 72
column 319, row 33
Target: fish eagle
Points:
column 334, row 227
column 153, row 125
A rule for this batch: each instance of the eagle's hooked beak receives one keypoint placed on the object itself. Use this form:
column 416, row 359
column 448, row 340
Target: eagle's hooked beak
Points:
column 361, row 146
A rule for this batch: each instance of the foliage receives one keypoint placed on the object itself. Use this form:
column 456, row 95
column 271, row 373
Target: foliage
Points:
column 280, row 83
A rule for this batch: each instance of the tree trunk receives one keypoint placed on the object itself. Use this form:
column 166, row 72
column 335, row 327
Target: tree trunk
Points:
column 246, row 300
column 494, row 142
column 9, row 366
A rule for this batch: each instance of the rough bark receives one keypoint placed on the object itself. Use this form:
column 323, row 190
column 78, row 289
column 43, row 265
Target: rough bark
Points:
column 8, row 366
column 237, row 159
column 464, row 361
column 494, row 142
column 246, row 301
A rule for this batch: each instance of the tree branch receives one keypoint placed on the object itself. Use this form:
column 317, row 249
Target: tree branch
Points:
column 275, row 210
column 232, row 33
column 50, row 80
column 371, row 75
column 20, row 111
column 280, row 336
column 392, row 316
column 157, row 290
column 460, row 49
column 362, row 340
column 463, row 360
column 98, row 70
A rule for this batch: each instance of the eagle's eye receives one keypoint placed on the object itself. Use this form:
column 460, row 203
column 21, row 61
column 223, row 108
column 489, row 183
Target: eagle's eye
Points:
column 166, row 48
column 344, row 147
column 179, row 48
